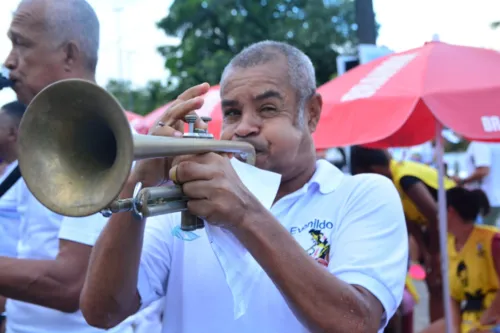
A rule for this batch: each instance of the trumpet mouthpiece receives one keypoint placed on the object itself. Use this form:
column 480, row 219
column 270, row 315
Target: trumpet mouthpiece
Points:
column 5, row 82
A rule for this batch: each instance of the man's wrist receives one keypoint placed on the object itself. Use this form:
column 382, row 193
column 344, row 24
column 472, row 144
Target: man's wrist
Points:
column 251, row 221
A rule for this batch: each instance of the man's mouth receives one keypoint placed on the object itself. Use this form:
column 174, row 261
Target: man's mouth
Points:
column 258, row 148
column 16, row 85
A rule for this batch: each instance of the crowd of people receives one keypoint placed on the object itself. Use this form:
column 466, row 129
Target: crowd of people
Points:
column 476, row 307
column 293, row 245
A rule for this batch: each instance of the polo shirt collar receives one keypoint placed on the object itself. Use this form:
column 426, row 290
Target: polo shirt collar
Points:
column 327, row 177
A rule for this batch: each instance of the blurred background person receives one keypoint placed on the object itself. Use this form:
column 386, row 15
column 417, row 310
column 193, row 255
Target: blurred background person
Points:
column 474, row 271
column 417, row 185
column 483, row 168
column 10, row 117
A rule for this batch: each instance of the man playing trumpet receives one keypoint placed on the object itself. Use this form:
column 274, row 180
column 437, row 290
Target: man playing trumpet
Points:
column 51, row 40
column 268, row 100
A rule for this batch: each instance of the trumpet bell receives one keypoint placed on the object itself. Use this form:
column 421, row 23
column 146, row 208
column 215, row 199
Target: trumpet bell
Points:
column 75, row 147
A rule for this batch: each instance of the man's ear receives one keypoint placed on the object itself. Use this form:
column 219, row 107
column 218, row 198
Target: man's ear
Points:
column 313, row 111
column 14, row 133
column 71, row 55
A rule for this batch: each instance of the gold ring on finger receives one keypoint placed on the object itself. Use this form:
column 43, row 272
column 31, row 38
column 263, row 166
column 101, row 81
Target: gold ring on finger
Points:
column 173, row 175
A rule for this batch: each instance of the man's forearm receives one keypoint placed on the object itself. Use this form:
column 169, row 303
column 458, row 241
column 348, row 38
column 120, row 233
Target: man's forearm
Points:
column 110, row 291
column 417, row 233
column 37, row 282
column 433, row 234
column 319, row 300
column 476, row 176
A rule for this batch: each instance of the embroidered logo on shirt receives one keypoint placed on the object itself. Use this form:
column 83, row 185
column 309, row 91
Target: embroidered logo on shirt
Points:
column 320, row 249
column 188, row 236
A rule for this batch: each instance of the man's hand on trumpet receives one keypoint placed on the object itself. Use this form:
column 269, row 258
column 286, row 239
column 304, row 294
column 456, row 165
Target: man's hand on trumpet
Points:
column 154, row 172
column 215, row 191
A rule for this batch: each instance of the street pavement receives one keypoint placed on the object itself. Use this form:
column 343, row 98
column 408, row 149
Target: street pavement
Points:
column 421, row 314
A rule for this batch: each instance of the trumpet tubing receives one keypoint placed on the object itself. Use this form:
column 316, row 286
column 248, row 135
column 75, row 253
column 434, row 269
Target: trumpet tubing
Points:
column 76, row 150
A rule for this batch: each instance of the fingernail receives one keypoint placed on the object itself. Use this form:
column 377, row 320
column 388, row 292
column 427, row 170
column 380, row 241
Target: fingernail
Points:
column 177, row 134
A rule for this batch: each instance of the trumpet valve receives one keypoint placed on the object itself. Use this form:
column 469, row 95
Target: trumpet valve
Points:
column 197, row 133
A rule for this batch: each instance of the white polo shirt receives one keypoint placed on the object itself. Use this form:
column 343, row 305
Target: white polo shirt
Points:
column 9, row 217
column 86, row 231
column 39, row 230
column 353, row 224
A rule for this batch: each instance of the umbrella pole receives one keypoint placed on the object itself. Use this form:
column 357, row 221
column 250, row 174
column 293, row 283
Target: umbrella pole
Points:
column 443, row 227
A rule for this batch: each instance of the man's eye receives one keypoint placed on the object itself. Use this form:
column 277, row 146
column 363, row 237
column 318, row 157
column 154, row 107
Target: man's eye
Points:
column 17, row 42
column 231, row 113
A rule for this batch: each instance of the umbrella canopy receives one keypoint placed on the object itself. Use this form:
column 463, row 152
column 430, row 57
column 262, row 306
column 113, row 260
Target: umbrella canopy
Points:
column 210, row 108
column 395, row 100
column 137, row 122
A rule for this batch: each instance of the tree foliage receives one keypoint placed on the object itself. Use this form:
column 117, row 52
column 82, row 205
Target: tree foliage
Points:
column 213, row 31
column 456, row 147
column 140, row 100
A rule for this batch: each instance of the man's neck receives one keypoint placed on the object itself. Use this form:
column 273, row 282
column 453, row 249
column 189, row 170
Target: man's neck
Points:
column 83, row 75
column 295, row 183
column 89, row 77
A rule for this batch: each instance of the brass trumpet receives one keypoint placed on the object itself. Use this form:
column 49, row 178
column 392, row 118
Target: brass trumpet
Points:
column 76, row 150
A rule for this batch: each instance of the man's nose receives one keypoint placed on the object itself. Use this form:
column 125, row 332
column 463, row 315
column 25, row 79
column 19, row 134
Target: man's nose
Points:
column 11, row 61
column 248, row 126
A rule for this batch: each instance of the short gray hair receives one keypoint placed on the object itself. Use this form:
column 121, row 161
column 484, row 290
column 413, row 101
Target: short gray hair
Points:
column 301, row 74
column 74, row 20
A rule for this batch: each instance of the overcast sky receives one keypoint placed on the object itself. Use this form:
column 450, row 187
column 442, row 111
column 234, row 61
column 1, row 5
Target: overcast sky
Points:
column 404, row 24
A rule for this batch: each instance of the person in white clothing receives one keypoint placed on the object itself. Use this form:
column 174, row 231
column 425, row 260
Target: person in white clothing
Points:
column 10, row 117
column 51, row 40
column 333, row 247
column 483, row 164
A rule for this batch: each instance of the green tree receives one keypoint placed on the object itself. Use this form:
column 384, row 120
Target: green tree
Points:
column 213, row 31
column 456, row 147
column 141, row 100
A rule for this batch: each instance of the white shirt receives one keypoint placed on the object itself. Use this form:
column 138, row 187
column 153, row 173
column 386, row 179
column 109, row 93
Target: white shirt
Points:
column 423, row 153
column 39, row 229
column 9, row 217
column 482, row 154
column 86, row 231
column 360, row 234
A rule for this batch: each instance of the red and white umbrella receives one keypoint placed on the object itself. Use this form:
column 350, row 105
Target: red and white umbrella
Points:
column 395, row 100
column 137, row 122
